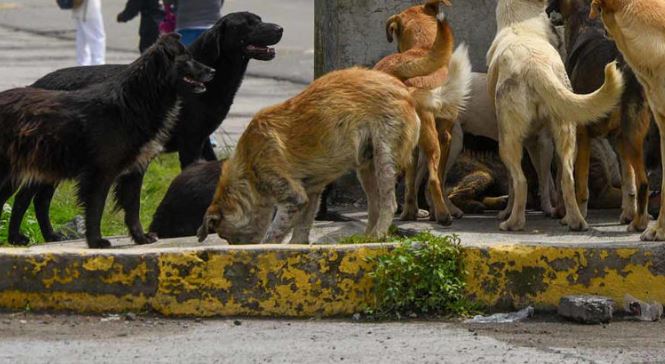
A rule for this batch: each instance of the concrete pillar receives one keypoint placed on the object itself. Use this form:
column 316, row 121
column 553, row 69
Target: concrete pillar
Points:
column 352, row 32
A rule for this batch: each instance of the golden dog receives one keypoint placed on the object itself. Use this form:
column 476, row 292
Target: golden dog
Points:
column 425, row 43
column 638, row 28
column 351, row 119
column 532, row 92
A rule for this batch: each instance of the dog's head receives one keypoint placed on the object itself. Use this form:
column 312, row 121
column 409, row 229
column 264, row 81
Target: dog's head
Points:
column 600, row 7
column 190, row 75
column 243, row 35
column 231, row 214
column 414, row 26
column 566, row 7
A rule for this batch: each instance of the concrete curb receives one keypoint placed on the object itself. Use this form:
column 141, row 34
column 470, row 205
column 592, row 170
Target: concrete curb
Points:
column 305, row 281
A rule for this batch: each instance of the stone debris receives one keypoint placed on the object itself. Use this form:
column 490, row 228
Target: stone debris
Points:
column 503, row 318
column 587, row 309
column 641, row 310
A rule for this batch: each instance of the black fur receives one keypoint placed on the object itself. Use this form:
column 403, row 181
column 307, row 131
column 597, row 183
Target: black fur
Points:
column 589, row 50
column 228, row 47
column 186, row 201
column 96, row 134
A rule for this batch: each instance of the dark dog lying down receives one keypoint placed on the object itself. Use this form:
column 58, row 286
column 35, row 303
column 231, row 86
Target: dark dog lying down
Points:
column 228, row 46
column 97, row 134
column 181, row 212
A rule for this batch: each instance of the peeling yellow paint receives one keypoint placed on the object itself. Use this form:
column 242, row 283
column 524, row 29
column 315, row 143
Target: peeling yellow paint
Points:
column 102, row 263
column 313, row 281
column 494, row 275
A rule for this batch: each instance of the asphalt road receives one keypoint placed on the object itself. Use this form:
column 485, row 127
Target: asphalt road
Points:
column 32, row 338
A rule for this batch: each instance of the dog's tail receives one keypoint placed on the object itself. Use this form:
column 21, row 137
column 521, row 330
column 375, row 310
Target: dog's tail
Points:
column 565, row 105
column 450, row 99
column 411, row 63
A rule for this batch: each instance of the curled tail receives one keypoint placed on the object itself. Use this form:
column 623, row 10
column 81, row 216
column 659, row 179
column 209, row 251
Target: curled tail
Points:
column 418, row 62
column 450, row 99
column 579, row 109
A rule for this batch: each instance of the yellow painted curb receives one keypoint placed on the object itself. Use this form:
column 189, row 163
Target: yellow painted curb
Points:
column 303, row 281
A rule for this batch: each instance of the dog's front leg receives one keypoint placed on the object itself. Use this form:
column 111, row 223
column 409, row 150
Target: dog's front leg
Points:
column 656, row 232
column 128, row 196
column 92, row 194
column 282, row 223
column 303, row 224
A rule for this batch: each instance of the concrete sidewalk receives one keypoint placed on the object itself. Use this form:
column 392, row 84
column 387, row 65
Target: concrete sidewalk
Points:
column 295, row 53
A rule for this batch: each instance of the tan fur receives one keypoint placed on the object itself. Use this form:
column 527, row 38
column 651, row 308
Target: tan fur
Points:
column 352, row 119
column 638, row 28
column 532, row 92
column 422, row 32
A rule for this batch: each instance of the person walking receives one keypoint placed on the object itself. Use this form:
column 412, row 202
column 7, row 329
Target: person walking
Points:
column 90, row 35
column 193, row 17
column 151, row 14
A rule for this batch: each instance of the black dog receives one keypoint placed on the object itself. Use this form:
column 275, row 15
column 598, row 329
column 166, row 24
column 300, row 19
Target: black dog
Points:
column 228, row 47
column 96, row 134
column 588, row 51
column 186, row 201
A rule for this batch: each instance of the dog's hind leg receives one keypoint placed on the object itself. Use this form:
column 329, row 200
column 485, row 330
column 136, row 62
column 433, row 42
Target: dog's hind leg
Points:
column 410, row 210
column 564, row 139
column 445, row 133
column 128, row 195
column 657, row 231
column 633, row 153
column 510, row 149
column 582, row 163
column 541, row 153
column 429, row 142
column 386, row 175
column 93, row 190
column 303, row 224
column 21, row 204
column 42, row 203
column 367, row 177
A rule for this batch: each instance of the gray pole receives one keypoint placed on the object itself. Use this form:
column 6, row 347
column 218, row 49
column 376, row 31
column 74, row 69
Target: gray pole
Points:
column 351, row 32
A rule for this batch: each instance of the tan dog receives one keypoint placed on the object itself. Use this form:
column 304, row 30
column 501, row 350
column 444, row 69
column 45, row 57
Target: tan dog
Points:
column 532, row 92
column 426, row 39
column 352, row 119
column 638, row 28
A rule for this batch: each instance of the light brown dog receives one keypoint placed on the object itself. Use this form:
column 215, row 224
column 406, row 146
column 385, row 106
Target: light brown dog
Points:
column 425, row 43
column 638, row 28
column 351, row 119
column 532, row 92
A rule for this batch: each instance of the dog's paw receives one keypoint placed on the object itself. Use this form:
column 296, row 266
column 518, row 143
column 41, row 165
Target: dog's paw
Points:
column 409, row 214
column 639, row 225
column 512, row 225
column 550, row 212
column 626, row 217
column 456, row 211
column 444, row 219
column 55, row 236
column 144, row 239
column 503, row 215
column 578, row 225
column 653, row 233
column 99, row 244
column 19, row 240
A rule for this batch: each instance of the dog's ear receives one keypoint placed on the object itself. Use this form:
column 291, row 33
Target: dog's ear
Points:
column 393, row 28
column 210, row 222
column 596, row 8
column 433, row 5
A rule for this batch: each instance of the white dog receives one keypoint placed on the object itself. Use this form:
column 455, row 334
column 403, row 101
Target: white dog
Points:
column 532, row 92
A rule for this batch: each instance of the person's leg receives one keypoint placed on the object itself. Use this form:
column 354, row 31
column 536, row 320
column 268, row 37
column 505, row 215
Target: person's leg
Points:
column 82, row 50
column 96, row 40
